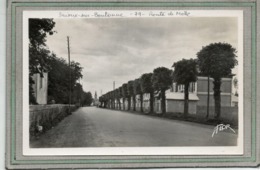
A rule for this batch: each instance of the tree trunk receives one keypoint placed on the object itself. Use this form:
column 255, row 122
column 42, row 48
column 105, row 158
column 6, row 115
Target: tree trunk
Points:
column 141, row 98
column 129, row 103
column 114, row 103
column 114, row 100
column 123, row 103
column 151, row 102
column 119, row 104
column 217, row 98
column 186, row 100
column 134, row 102
column 163, row 105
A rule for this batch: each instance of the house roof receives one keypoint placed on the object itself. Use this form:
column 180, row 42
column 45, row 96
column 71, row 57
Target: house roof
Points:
column 180, row 96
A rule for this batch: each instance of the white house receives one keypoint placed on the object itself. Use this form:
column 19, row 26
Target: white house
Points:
column 40, row 88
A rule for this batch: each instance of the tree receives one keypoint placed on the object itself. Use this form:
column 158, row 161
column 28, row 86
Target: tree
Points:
column 185, row 72
column 162, row 80
column 130, row 89
column 101, row 100
column 109, row 100
column 114, row 93
column 217, row 61
column 119, row 96
column 76, row 70
column 147, row 87
column 58, row 81
column 38, row 31
column 87, row 98
column 125, row 94
column 138, row 91
column 113, row 97
column 77, row 96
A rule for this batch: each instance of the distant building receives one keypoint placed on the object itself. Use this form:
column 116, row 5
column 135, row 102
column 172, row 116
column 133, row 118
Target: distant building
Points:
column 95, row 100
column 40, row 88
column 202, row 91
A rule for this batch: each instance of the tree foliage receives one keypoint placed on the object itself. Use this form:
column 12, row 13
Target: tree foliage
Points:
column 38, row 53
column 77, row 95
column 38, row 30
column 137, row 86
column 217, row 60
column 87, row 99
column 146, row 83
column 162, row 78
column 59, row 79
column 185, row 71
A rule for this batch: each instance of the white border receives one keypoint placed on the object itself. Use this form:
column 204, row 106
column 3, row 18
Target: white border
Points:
column 234, row 150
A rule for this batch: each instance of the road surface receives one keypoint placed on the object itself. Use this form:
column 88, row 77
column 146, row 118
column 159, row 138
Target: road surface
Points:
column 97, row 127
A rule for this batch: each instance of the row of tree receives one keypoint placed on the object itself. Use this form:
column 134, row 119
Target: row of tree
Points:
column 215, row 60
column 153, row 83
column 62, row 77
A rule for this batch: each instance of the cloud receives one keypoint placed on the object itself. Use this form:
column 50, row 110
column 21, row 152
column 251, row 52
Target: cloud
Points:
column 123, row 49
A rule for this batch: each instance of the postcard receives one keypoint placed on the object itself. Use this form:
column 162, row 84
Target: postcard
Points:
column 124, row 84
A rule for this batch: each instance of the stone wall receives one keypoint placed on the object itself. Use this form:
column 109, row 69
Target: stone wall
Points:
column 44, row 117
column 177, row 106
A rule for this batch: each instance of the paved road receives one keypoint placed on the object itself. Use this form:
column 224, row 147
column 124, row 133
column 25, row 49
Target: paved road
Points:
column 96, row 127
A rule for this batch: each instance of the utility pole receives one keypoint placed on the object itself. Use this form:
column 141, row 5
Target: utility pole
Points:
column 68, row 40
column 114, row 84
column 208, row 100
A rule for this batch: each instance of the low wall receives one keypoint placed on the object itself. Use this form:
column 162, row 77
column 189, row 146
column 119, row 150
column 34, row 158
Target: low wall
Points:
column 44, row 117
column 177, row 106
column 228, row 114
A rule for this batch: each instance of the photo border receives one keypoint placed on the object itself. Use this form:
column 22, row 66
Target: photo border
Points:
column 252, row 5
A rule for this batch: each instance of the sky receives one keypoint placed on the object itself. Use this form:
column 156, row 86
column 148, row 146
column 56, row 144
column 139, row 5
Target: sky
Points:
column 116, row 49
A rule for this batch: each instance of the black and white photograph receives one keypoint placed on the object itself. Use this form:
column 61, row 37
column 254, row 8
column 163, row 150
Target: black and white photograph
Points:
column 131, row 84
column 166, row 80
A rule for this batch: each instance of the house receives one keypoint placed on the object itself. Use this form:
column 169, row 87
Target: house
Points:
column 40, row 88
column 95, row 100
column 202, row 91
